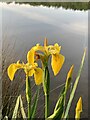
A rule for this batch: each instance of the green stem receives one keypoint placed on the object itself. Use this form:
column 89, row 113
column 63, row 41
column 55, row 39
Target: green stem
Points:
column 46, row 86
column 28, row 95
column 29, row 110
column 46, row 105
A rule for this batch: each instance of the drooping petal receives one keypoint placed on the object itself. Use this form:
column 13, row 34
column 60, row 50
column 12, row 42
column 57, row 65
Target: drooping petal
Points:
column 30, row 56
column 31, row 53
column 38, row 76
column 57, row 62
column 12, row 70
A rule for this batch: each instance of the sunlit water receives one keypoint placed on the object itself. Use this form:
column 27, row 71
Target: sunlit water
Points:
column 24, row 26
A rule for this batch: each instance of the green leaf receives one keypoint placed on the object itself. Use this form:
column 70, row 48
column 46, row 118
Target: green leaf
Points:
column 15, row 112
column 75, row 86
column 19, row 103
column 46, row 81
column 22, row 108
column 33, row 110
column 54, row 115
column 59, row 111
column 59, row 102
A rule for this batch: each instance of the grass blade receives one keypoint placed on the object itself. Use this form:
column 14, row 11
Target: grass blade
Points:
column 22, row 108
column 75, row 86
column 59, row 111
column 15, row 112
column 59, row 102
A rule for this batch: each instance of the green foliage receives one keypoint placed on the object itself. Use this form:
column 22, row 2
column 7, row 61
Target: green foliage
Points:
column 19, row 103
column 22, row 108
column 75, row 86
column 59, row 111
column 15, row 112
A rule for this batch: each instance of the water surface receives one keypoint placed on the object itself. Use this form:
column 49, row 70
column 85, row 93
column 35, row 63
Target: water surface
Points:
column 26, row 25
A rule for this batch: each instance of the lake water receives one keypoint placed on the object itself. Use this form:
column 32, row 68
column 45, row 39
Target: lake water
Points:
column 23, row 26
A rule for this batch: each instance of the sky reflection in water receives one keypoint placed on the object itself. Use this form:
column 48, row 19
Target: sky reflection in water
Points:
column 24, row 25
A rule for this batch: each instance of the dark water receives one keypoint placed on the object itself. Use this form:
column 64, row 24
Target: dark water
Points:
column 24, row 26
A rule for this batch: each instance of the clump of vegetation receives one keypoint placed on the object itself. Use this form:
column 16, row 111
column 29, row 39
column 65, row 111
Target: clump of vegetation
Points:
column 42, row 78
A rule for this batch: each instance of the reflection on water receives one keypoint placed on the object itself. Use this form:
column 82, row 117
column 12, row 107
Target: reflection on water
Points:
column 26, row 25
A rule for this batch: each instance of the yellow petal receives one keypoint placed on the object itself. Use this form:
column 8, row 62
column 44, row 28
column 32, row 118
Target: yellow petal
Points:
column 39, row 48
column 57, row 62
column 11, row 70
column 31, row 53
column 30, row 56
column 38, row 76
column 31, row 72
column 57, row 47
column 54, row 49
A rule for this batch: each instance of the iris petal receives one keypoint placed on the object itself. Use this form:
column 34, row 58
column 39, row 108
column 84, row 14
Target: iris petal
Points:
column 38, row 76
column 12, row 70
column 57, row 62
column 54, row 49
column 31, row 72
column 57, row 47
column 30, row 56
column 39, row 48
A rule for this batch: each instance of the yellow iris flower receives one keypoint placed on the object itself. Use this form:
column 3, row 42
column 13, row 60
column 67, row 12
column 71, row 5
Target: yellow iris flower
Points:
column 29, row 69
column 57, row 59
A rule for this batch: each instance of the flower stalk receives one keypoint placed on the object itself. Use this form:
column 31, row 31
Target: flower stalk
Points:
column 46, row 86
column 28, row 95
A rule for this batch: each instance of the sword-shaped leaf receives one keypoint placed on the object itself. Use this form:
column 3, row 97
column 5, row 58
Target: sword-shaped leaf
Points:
column 15, row 112
column 22, row 108
column 75, row 86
